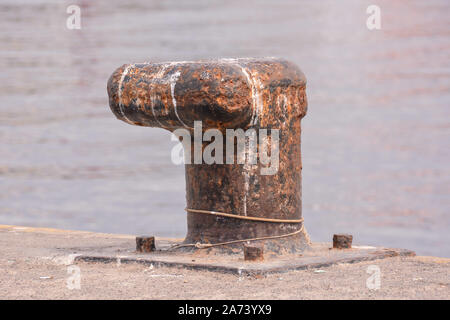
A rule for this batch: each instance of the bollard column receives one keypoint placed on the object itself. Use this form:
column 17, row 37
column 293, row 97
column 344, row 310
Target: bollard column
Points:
column 228, row 203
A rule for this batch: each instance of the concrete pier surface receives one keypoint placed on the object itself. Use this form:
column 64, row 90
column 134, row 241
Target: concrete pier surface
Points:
column 38, row 263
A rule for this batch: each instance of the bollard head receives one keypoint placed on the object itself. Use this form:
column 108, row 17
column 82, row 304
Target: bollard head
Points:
column 223, row 93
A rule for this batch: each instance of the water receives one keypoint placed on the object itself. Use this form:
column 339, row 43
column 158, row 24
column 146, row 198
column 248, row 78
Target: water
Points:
column 375, row 139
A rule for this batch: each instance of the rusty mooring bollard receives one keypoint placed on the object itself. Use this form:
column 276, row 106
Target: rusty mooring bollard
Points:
column 145, row 244
column 227, row 203
column 342, row 241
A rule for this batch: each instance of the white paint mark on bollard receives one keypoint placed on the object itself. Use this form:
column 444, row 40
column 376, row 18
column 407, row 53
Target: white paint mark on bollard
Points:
column 119, row 93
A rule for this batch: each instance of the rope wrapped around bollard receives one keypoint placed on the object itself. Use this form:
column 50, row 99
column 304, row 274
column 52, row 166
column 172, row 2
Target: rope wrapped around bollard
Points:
column 199, row 245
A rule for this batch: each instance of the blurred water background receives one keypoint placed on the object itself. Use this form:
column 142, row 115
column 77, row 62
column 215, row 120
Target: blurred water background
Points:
column 375, row 139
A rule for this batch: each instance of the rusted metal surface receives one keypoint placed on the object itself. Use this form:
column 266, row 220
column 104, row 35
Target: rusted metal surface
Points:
column 253, row 252
column 145, row 244
column 226, row 94
column 342, row 241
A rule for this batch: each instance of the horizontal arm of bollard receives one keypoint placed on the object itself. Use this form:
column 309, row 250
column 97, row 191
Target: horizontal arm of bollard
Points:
column 224, row 93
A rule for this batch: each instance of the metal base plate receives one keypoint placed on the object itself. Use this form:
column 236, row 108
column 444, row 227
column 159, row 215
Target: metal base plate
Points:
column 318, row 256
